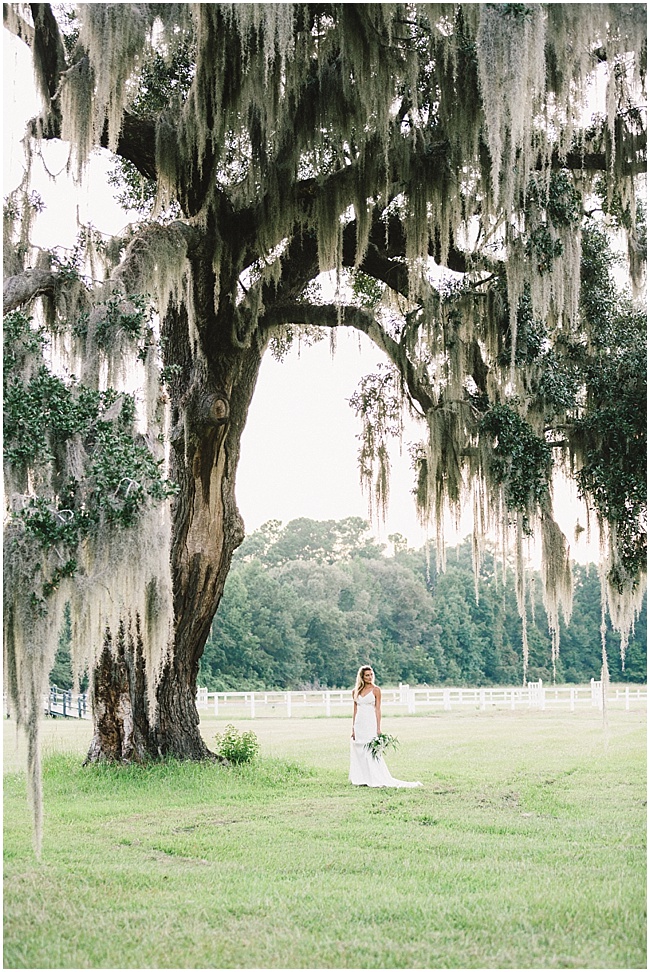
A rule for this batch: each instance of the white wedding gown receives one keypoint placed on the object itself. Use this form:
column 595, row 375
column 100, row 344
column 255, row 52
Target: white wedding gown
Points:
column 364, row 770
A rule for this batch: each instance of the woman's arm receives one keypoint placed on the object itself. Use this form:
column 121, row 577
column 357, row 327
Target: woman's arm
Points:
column 354, row 715
column 377, row 691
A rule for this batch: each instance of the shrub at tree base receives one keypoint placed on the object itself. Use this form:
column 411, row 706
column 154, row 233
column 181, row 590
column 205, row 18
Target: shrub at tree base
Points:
column 236, row 746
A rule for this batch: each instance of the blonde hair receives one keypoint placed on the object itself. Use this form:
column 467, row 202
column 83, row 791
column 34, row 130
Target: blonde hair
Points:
column 360, row 682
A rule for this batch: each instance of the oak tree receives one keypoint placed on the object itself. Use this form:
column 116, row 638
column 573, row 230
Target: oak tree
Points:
column 267, row 144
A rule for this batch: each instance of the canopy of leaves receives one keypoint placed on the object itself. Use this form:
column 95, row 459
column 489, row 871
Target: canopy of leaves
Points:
column 611, row 432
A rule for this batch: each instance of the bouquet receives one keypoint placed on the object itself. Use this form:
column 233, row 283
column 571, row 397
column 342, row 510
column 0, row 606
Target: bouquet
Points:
column 377, row 746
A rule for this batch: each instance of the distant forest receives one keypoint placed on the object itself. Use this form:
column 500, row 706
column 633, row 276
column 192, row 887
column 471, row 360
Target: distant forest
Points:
column 306, row 604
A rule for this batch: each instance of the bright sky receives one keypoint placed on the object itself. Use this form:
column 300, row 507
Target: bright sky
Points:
column 301, row 441
column 299, row 449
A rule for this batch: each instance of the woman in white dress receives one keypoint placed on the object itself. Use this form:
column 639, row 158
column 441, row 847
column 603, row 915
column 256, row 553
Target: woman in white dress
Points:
column 365, row 770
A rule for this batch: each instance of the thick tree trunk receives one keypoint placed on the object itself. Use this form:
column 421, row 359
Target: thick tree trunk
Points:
column 208, row 416
column 119, row 701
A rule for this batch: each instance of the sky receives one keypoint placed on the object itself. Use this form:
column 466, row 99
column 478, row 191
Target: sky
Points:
column 299, row 447
column 301, row 441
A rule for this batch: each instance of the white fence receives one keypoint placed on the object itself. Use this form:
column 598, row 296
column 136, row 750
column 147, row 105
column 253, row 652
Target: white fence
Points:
column 404, row 699
column 409, row 700
column 62, row 702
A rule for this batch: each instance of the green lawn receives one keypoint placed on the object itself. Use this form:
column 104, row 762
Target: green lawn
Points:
column 524, row 849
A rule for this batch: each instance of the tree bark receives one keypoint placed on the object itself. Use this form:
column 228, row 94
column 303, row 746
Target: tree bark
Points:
column 210, row 405
column 119, row 701
column 24, row 287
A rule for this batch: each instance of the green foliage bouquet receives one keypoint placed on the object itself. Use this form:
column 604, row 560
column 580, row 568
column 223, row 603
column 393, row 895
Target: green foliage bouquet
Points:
column 380, row 743
column 235, row 746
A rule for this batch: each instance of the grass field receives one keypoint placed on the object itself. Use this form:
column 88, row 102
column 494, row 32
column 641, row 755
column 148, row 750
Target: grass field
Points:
column 525, row 848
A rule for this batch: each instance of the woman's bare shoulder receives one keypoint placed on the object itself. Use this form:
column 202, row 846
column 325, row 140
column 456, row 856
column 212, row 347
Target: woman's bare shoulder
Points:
column 377, row 691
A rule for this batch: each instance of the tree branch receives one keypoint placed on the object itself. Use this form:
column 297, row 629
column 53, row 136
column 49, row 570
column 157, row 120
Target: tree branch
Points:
column 387, row 236
column 597, row 161
column 333, row 315
column 185, row 239
column 49, row 52
column 25, row 287
column 384, row 258
column 136, row 143
column 17, row 25
column 22, row 288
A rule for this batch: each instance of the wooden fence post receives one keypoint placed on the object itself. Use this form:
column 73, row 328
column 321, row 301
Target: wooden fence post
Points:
column 288, row 705
column 252, row 705
column 328, row 703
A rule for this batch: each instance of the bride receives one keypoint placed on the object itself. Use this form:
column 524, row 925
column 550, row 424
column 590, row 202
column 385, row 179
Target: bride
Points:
column 365, row 770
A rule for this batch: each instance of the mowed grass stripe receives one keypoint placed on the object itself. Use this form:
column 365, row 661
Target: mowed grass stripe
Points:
column 525, row 848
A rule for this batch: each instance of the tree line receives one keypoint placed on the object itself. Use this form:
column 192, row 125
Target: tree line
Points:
column 307, row 603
